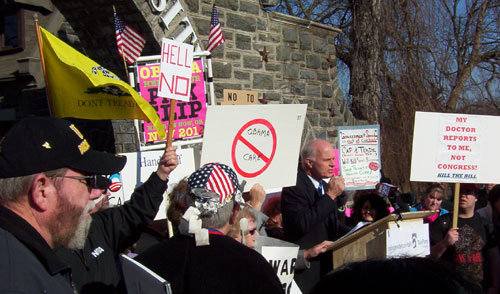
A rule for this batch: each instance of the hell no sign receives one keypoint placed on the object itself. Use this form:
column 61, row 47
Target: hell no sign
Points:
column 175, row 70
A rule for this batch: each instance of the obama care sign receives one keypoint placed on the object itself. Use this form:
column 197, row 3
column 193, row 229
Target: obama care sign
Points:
column 456, row 148
column 260, row 142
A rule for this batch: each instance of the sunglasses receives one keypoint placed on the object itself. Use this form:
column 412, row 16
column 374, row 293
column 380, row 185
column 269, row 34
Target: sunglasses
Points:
column 92, row 182
column 252, row 232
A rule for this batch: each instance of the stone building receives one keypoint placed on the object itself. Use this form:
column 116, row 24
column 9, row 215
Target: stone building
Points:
column 300, row 67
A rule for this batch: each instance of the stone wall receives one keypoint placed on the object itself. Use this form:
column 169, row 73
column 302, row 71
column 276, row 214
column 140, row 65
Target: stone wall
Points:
column 301, row 65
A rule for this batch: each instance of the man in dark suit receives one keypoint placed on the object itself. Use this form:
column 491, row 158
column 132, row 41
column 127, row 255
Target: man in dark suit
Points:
column 309, row 209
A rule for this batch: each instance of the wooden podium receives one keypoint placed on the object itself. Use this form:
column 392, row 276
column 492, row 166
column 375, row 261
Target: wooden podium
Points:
column 370, row 242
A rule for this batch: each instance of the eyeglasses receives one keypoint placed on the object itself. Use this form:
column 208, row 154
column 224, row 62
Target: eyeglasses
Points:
column 92, row 182
column 252, row 232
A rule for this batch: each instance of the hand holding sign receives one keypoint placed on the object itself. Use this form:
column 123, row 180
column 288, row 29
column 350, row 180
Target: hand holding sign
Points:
column 451, row 237
column 168, row 162
column 335, row 187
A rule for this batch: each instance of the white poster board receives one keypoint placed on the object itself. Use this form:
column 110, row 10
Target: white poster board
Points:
column 176, row 60
column 411, row 238
column 359, row 150
column 260, row 142
column 140, row 279
column 455, row 148
column 282, row 256
column 139, row 167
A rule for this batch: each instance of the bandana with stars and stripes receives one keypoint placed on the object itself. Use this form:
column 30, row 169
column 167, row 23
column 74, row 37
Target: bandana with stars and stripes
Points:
column 213, row 178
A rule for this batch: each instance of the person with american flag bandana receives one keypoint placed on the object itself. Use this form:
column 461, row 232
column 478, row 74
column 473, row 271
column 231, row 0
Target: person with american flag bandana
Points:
column 203, row 259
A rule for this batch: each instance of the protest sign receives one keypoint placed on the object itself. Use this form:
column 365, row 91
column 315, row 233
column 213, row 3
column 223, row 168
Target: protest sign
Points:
column 140, row 279
column 282, row 256
column 239, row 97
column 408, row 238
column 189, row 116
column 260, row 142
column 359, row 148
column 457, row 148
column 139, row 167
column 175, row 70
column 336, row 169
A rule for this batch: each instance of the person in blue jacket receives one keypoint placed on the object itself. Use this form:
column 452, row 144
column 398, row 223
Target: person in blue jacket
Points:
column 432, row 200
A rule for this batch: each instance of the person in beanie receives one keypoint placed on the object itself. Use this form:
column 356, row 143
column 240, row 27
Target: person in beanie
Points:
column 49, row 176
column 470, row 246
column 203, row 259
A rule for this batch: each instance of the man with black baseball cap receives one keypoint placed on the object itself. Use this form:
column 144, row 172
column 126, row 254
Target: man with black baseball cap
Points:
column 470, row 246
column 49, row 177
column 115, row 229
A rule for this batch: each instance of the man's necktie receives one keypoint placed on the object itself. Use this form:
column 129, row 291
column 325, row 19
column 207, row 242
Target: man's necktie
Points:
column 320, row 189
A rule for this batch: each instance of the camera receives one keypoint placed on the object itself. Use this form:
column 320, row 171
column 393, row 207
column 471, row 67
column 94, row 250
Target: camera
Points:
column 395, row 198
column 390, row 191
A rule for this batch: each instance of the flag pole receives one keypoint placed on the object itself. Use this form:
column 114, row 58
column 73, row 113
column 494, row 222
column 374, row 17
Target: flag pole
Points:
column 171, row 116
column 455, row 205
column 42, row 61
column 124, row 62
column 123, row 53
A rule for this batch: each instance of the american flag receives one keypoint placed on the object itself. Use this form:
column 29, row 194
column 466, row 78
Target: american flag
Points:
column 130, row 43
column 216, row 177
column 216, row 38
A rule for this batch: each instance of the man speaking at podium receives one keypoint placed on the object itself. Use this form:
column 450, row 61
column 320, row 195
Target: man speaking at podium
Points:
column 310, row 210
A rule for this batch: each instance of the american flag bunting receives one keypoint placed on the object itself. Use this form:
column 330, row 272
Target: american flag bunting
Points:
column 130, row 43
column 216, row 38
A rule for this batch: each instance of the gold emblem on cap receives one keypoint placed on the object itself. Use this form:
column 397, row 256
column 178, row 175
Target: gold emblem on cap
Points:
column 47, row 145
column 84, row 146
column 76, row 131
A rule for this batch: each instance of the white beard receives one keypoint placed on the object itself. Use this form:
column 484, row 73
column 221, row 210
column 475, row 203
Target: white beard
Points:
column 81, row 232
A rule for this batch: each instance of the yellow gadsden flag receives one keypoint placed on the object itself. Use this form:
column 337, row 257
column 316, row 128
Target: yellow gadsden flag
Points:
column 81, row 88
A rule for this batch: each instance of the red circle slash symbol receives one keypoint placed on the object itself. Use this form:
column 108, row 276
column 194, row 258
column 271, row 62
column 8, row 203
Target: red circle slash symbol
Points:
column 260, row 140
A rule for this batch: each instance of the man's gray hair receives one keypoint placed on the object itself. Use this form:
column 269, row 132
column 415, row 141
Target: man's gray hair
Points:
column 309, row 151
column 13, row 188
column 219, row 219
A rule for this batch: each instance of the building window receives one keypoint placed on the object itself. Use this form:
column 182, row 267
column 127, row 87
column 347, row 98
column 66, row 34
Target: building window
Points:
column 11, row 28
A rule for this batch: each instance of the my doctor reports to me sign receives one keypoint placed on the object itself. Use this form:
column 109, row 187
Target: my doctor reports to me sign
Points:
column 175, row 70
column 260, row 142
column 456, row 148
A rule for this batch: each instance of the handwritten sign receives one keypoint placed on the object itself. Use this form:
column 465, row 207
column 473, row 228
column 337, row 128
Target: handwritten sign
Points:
column 239, row 97
column 175, row 70
column 359, row 148
column 189, row 116
column 455, row 148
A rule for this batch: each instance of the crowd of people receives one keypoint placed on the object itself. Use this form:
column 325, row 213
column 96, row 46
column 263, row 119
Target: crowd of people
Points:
column 57, row 234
